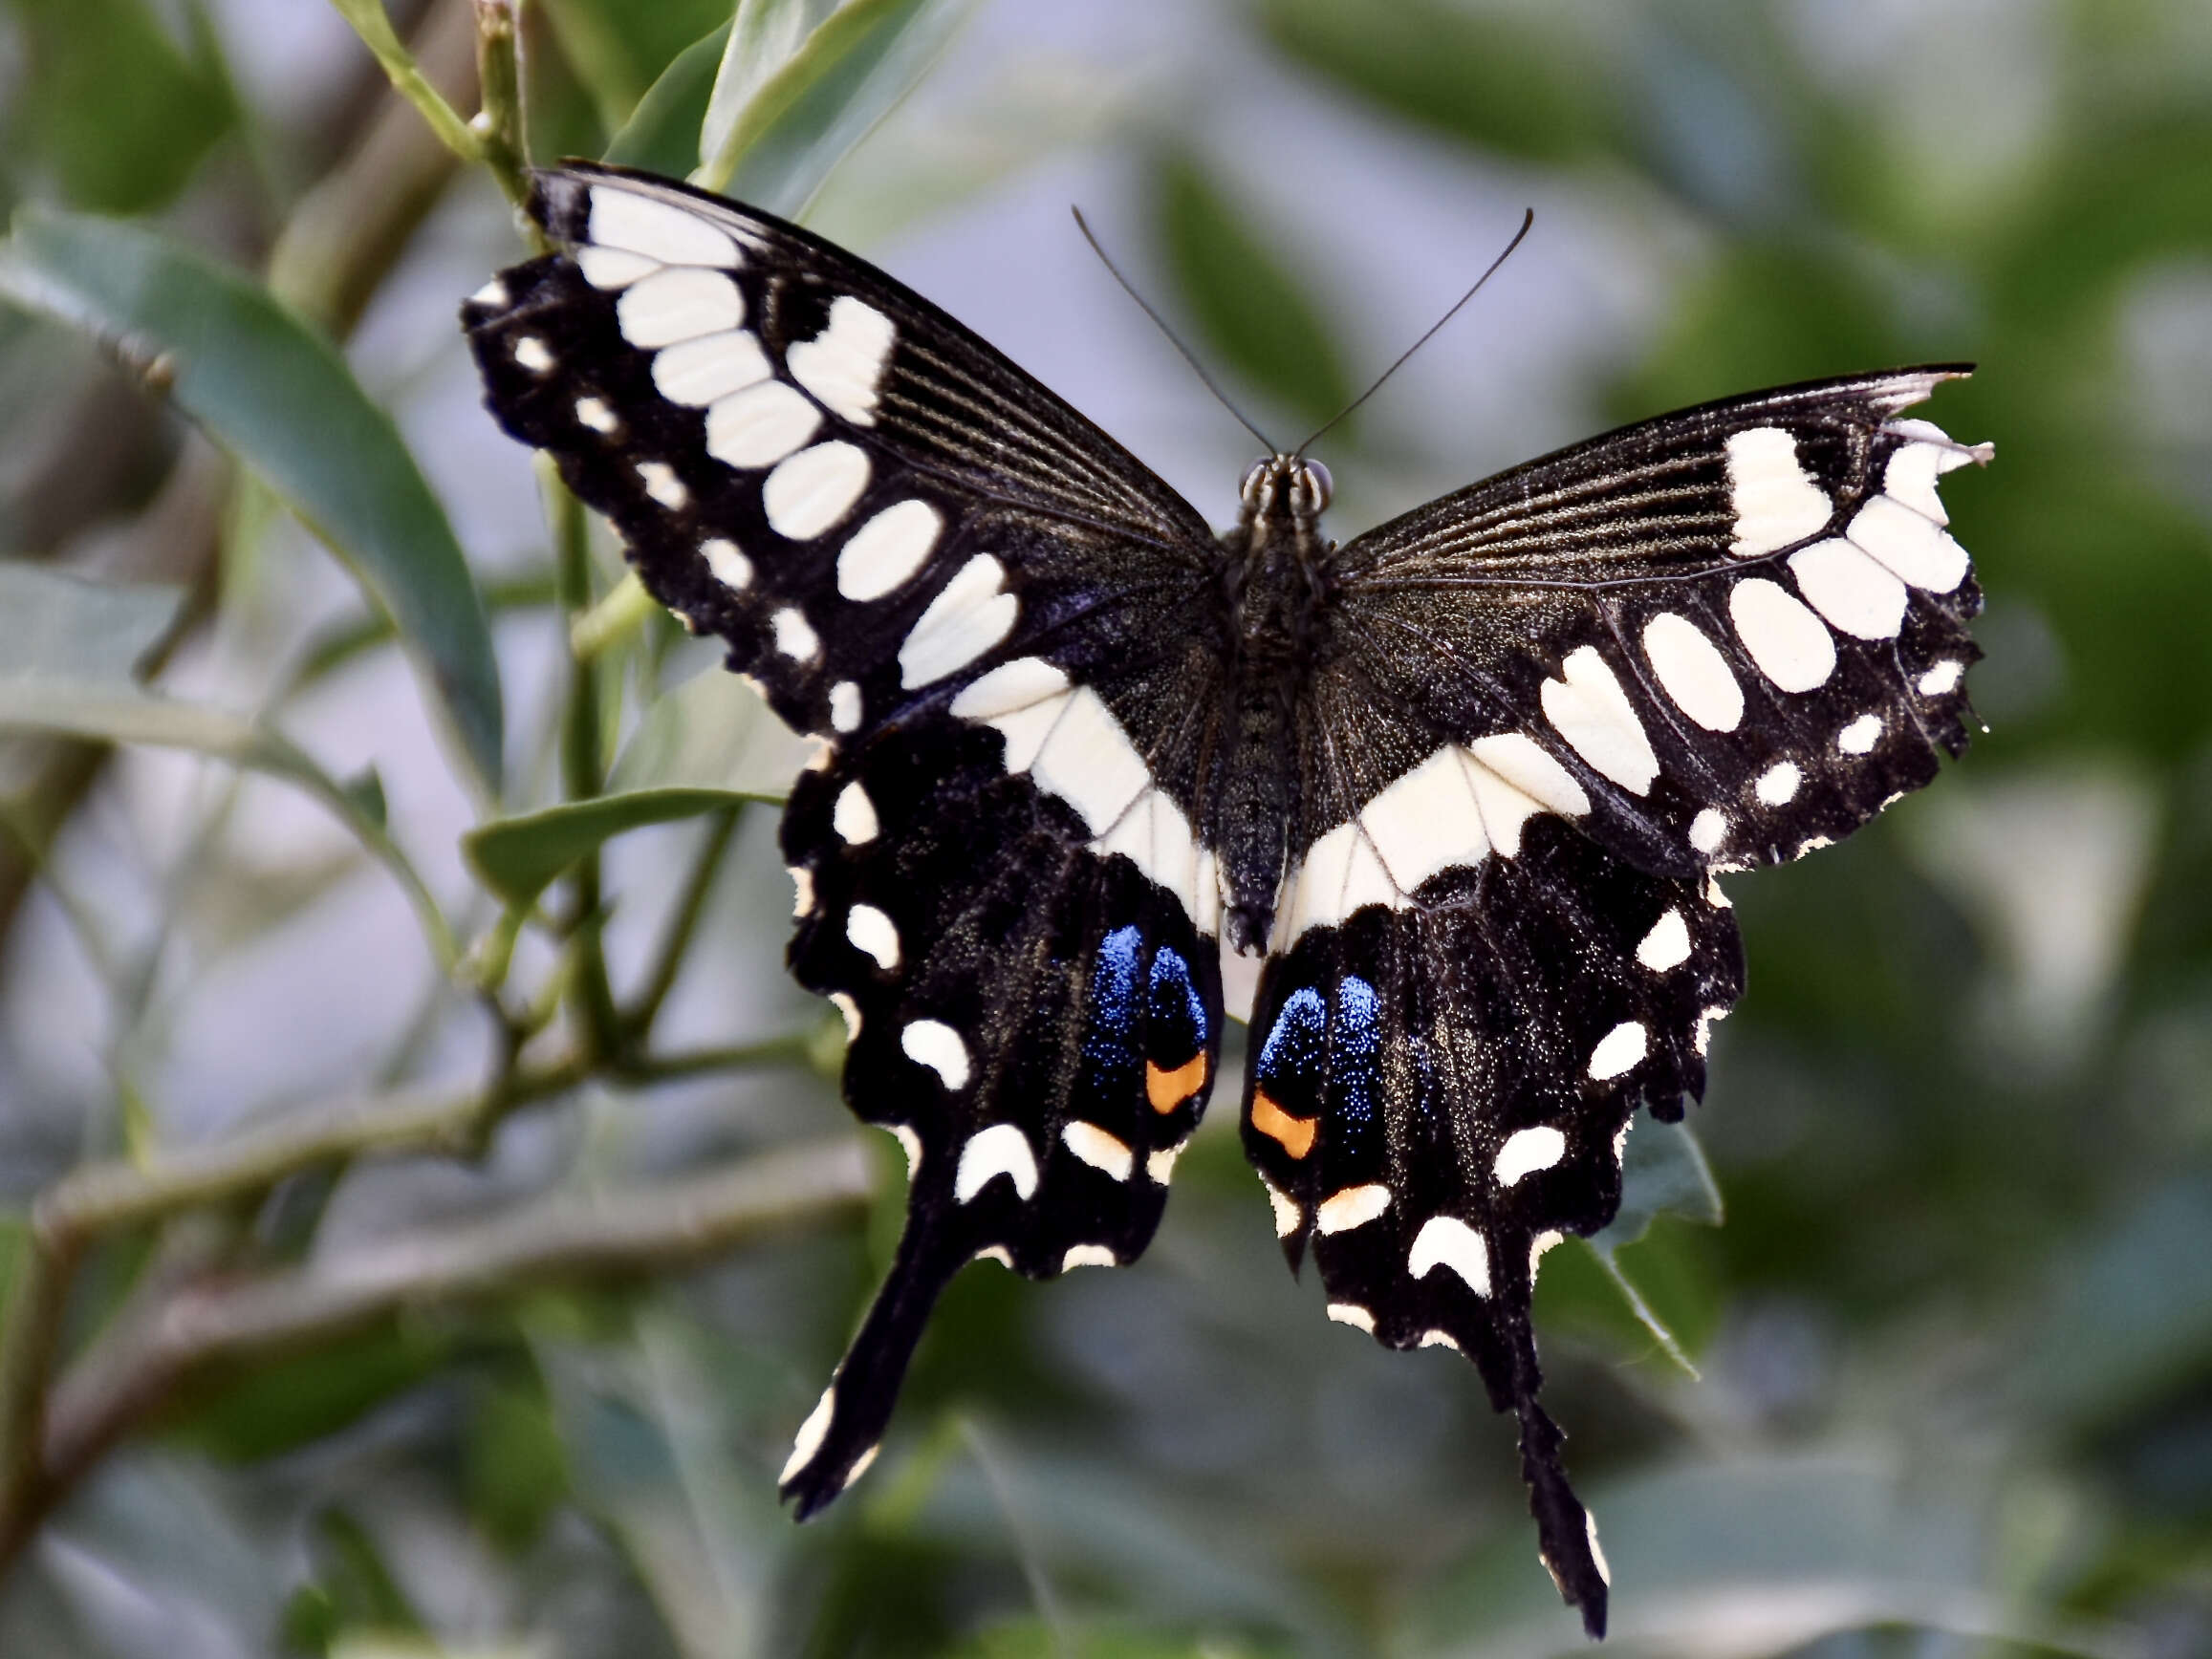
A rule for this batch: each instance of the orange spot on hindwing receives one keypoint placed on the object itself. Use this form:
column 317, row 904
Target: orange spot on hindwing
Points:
column 1169, row 1089
column 1295, row 1134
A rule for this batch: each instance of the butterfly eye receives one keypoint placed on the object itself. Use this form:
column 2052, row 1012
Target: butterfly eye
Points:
column 1318, row 484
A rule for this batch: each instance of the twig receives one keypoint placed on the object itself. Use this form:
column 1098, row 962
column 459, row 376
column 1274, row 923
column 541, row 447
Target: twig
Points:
column 138, row 1367
column 369, row 22
column 498, row 125
column 683, row 924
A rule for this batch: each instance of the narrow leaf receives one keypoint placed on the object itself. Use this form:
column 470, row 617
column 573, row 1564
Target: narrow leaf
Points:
column 278, row 396
column 520, row 857
column 661, row 135
column 54, row 626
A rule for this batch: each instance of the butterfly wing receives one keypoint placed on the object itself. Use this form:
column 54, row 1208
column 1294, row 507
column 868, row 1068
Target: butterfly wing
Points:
column 993, row 615
column 1551, row 705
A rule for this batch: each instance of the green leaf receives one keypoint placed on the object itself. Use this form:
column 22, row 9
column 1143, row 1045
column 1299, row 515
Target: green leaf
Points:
column 712, row 732
column 111, row 105
column 276, row 395
column 661, row 135
column 1252, row 310
column 620, row 48
column 520, row 857
column 787, row 108
column 54, row 626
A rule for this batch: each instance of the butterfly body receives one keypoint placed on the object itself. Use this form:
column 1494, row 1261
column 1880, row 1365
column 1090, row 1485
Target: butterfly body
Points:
column 1463, row 781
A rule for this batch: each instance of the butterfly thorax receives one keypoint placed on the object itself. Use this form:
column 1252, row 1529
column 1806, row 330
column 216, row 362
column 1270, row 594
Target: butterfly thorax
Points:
column 1276, row 591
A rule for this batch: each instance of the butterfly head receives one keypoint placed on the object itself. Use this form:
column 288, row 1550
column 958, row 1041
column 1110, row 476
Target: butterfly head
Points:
column 1285, row 486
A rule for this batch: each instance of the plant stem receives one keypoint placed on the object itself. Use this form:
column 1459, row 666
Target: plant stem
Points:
column 369, row 22
column 498, row 125
column 683, row 924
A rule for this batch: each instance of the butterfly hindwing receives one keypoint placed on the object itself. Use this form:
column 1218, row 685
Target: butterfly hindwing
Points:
column 1036, row 1022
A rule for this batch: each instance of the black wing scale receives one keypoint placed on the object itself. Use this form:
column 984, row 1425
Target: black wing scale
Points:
column 1526, row 725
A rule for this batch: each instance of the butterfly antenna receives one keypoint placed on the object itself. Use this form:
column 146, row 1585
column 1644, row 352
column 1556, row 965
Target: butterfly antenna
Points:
column 1527, row 219
column 1159, row 322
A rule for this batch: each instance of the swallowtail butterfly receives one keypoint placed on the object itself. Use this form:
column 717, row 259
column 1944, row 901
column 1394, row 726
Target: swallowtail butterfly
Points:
column 1464, row 779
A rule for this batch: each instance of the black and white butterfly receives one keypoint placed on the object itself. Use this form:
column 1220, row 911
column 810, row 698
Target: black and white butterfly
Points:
column 1464, row 779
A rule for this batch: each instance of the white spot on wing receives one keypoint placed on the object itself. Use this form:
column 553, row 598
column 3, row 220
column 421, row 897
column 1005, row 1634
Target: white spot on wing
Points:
column 1775, row 500
column 1790, row 645
column 1442, row 1339
column 853, row 816
column 681, row 304
column 1909, row 543
column 663, row 485
column 1860, row 735
column 759, row 425
column 492, row 295
column 874, row 934
column 910, row 1144
column 1940, row 678
column 593, row 412
column 1849, row 589
column 1448, row 1241
column 1667, row 945
column 623, row 218
column 730, row 567
column 1088, row 761
column 1692, row 671
column 1428, row 821
column 802, row 888
column 1350, row 1313
column 612, row 268
column 969, row 616
column 1160, row 1164
column 883, row 553
column 1353, row 1207
column 1288, row 1213
column 1590, row 711
column 1087, row 1255
column 1619, row 1050
column 811, row 1434
column 844, row 363
column 794, row 637
column 1001, row 1150
column 699, row 372
column 1019, row 684
column 851, row 1010
column 1527, row 1150
column 815, row 488
column 844, row 706
column 1100, row 1149
column 1707, row 830
column 534, row 355
column 1777, row 785
column 933, row 1043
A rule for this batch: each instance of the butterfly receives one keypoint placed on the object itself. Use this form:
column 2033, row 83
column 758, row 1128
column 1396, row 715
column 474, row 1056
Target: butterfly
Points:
column 1463, row 781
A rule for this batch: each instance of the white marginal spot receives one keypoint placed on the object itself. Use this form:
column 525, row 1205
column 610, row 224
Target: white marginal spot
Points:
column 1914, row 546
column 1527, row 1151
column 802, row 888
column 1849, row 589
column 968, row 616
column 1288, row 1213
column 1791, row 646
column 883, row 553
column 1590, row 711
column 1448, row 1241
column 1353, row 1207
column 874, row 934
column 1619, row 1050
column 730, row 567
column 1692, row 671
column 532, row 353
column 1942, row 678
column 1707, row 1020
column 911, row 1144
column 492, row 293
column 1442, row 1339
column 1087, row 1255
column 853, row 816
column 1001, row 1150
column 698, row 373
column 811, row 1434
column 1537, row 1246
column 681, row 304
column 1707, row 830
column 663, row 485
column 794, row 637
column 933, row 1043
column 844, row 706
column 1160, row 1165
column 808, row 493
column 851, row 1010
column 759, row 425
column 623, row 218
column 860, row 1464
column 1350, row 1313
column 1860, row 735
column 1667, row 945
column 593, row 412
column 997, row 1252
column 1100, row 1149
column 1913, row 471
column 612, row 268
column 1775, row 500
column 1777, row 784
column 844, row 363
column 1596, row 1551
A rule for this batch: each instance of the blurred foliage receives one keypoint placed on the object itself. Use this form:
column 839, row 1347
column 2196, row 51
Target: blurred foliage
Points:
column 1953, row 1345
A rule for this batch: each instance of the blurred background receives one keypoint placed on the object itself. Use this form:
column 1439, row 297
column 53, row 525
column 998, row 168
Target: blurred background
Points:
column 349, row 1351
